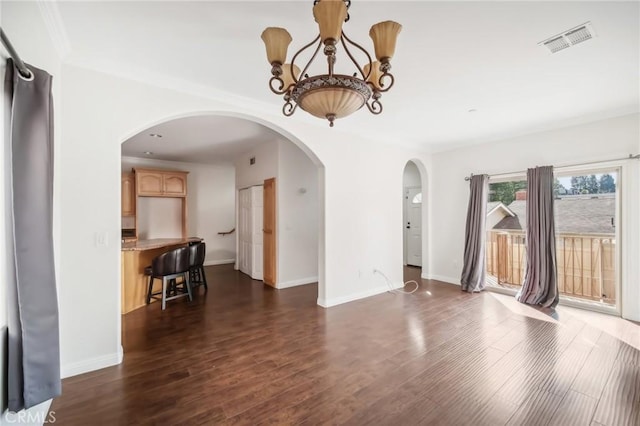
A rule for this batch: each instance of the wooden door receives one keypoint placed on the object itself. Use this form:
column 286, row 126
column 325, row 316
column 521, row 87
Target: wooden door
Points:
column 128, row 195
column 269, row 232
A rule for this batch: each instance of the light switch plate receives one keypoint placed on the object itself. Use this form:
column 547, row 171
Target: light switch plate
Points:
column 102, row 239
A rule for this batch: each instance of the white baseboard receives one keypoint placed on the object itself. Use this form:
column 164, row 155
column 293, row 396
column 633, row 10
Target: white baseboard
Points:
column 92, row 364
column 219, row 262
column 449, row 280
column 327, row 303
column 295, row 283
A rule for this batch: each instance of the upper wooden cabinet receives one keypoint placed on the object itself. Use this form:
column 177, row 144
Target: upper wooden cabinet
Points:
column 174, row 184
column 128, row 195
column 161, row 183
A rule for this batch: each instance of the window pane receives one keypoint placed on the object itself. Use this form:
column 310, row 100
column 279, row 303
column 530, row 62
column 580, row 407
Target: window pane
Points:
column 506, row 225
column 585, row 220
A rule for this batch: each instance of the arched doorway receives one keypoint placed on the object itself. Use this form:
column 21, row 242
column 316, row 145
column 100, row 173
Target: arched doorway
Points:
column 412, row 215
column 414, row 219
column 292, row 189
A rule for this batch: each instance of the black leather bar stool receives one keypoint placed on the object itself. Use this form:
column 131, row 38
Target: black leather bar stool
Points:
column 197, row 253
column 168, row 267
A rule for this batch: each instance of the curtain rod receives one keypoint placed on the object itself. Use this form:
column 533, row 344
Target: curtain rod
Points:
column 22, row 68
column 630, row 157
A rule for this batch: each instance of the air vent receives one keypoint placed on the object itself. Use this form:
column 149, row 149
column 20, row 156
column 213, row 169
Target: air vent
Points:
column 569, row 38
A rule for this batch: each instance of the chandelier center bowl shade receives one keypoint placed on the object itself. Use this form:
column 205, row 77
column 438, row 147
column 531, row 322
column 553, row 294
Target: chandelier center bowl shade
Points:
column 331, row 95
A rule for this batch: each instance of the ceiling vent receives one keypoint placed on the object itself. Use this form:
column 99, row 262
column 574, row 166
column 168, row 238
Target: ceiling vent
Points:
column 569, row 38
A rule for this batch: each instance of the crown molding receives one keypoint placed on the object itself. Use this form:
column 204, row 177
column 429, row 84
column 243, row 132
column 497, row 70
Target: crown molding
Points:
column 250, row 105
column 53, row 21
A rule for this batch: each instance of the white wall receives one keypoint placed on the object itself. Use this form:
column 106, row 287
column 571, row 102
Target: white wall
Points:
column 159, row 218
column 27, row 31
column 297, row 212
column 411, row 176
column 210, row 206
column 597, row 141
column 265, row 167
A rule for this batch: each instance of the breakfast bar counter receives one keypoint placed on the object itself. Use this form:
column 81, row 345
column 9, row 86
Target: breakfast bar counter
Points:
column 137, row 255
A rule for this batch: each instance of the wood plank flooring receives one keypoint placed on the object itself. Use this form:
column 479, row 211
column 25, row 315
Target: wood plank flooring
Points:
column 247, row 354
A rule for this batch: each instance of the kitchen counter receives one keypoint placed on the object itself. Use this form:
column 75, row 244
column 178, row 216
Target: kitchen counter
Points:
column 137, row 255
column 156, row 243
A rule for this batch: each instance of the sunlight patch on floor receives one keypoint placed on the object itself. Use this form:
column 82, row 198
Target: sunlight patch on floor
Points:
column 617, row 327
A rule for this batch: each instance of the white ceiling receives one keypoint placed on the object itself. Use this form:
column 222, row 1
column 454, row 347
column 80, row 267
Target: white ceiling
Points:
column 451, row 57
column 201, row 139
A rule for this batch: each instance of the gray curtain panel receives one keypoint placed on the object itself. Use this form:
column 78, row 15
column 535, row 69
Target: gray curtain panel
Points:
column 540, row 285
column 473, row 269
column 32, row 305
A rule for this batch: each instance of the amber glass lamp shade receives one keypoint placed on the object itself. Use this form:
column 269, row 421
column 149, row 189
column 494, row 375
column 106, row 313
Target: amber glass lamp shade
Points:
column 374, row 77
column 288, row 73
column 330, row 14
column 384, row 36
column 277, row 42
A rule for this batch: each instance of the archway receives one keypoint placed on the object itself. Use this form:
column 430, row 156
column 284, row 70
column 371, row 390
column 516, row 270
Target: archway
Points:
column 300, row 191
column 415, row 218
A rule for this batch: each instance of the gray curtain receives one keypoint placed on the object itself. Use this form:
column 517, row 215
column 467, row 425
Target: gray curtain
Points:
column 540, row 285
column 32, row 306
column 473, row 269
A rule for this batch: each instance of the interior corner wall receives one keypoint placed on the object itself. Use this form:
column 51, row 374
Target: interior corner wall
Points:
column 597, row 141
column 297, row 204
column 298, row 215
column 210, row 201
column 265, row 166
column 27, row 30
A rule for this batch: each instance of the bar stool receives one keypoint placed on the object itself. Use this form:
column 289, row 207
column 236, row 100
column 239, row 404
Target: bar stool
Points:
column 168, row 267
column 197, row 253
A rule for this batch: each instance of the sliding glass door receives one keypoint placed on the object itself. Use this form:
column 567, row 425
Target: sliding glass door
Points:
column 587, row 227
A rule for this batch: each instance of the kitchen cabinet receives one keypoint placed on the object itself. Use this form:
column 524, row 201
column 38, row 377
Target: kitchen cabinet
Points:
column 161, row 183
column 174, row 184
column 128, row 195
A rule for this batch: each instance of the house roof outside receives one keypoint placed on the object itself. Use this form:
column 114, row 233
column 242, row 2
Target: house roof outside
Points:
column 574, row 214
column 493, row 206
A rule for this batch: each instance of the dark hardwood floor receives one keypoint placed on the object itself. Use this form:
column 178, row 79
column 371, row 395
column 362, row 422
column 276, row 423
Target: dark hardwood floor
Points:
column 247, row 354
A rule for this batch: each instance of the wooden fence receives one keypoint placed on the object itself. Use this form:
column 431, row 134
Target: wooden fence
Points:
column 586, row 263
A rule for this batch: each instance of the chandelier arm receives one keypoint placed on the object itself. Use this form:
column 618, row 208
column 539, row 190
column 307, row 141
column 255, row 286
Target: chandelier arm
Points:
column 312, row 58
column 280, row 90
column 381, row 82
column 358, row 67
column 363, row 50
column 375, row 107
column 289, row 108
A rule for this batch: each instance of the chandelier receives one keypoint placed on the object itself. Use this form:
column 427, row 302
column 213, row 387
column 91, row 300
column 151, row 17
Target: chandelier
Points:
column 331, row 96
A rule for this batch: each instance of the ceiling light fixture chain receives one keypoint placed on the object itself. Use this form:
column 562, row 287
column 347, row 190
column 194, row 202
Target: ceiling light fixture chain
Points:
column 332, row 95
